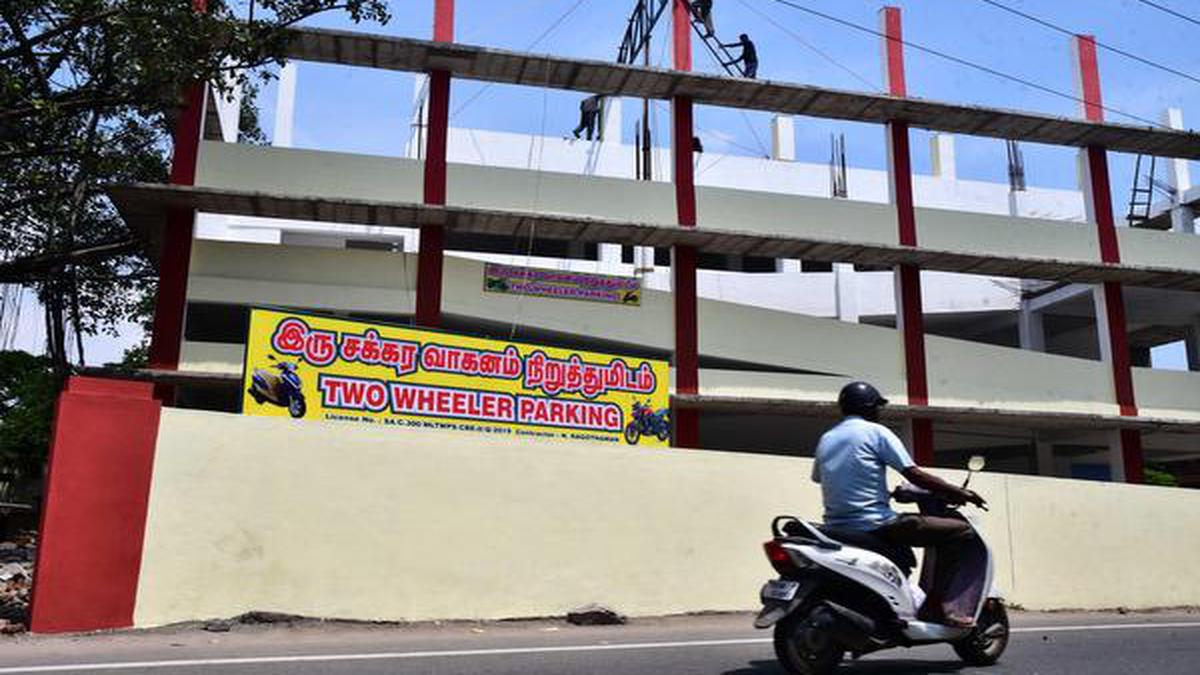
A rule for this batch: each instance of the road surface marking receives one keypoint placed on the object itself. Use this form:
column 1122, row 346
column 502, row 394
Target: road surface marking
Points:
column 395, row 656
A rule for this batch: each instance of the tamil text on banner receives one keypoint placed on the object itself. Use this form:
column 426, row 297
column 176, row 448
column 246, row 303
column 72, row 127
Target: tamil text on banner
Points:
column 316, row 367
column 562, row 284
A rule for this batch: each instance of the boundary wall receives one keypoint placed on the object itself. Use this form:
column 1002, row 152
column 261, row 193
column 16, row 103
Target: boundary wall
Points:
column 371, row 523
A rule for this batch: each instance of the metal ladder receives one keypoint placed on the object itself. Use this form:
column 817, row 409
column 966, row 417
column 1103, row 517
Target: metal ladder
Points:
column 1141, row 198
column 640, row 28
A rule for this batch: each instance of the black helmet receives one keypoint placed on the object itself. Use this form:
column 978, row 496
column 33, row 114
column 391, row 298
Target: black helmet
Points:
column 860, row 398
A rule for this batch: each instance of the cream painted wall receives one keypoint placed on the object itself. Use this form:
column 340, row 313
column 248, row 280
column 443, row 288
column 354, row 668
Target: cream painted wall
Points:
column 1006, row 236
column 1167, row 393
column 772, row 214
column 1159, row 249
column 289, row 171
column 964, row 373
column 348, row 521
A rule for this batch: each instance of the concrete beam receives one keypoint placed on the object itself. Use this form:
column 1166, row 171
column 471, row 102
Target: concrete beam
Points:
column 143, row 207
column 494, row 65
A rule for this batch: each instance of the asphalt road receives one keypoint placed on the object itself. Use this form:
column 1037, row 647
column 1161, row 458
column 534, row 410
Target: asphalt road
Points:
column 1161, row 643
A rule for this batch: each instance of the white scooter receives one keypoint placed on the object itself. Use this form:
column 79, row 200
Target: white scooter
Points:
column 841, row 591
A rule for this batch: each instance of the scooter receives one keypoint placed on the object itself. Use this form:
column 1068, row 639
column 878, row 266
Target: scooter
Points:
column 283, row 388
column 843, row 591
column 646, row 422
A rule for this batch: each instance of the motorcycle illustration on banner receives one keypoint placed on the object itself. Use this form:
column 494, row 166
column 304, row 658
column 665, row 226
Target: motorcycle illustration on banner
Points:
column 647, row 422
column 406, row 377
column 284, row 388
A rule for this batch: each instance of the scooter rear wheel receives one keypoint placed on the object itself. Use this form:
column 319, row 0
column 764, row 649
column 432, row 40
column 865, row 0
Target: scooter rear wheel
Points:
column 632, row 433
column 988, row 641
column 803, row 651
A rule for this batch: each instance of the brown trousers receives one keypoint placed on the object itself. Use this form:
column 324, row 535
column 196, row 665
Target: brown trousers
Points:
column 946, row 536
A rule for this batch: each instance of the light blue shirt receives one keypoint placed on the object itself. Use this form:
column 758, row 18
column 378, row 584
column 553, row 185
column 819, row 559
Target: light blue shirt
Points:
column 851, row 466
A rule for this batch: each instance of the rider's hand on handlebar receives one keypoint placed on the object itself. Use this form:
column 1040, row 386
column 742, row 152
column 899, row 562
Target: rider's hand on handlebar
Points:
column 972, row 497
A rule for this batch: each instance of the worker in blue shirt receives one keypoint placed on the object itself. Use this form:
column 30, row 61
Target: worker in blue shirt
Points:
column 851, row 465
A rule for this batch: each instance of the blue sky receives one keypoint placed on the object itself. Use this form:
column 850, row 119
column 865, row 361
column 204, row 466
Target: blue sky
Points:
column 361, row 110
column 366, row 111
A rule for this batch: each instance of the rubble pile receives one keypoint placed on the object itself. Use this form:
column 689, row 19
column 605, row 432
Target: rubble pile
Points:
column 16, row 580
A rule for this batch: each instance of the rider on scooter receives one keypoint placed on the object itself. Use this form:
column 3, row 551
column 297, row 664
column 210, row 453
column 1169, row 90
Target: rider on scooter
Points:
column 851, row 466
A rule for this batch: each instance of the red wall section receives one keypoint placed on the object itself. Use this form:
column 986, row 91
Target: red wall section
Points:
column 94, row 519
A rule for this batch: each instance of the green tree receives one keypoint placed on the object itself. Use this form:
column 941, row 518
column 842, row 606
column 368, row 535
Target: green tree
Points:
column 89, row 90
column 27, row 391
column 1161, row 476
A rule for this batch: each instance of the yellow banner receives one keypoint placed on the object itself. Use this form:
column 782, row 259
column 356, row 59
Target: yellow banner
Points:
column 316, row 367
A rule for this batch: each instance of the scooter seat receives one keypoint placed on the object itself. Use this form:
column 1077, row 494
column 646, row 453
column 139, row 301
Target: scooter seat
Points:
column 902, row 556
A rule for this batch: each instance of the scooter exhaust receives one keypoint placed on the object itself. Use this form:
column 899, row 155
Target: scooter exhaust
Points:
column 852, row 630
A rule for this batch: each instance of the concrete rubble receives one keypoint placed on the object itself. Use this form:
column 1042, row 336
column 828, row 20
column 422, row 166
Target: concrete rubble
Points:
column 16, row 581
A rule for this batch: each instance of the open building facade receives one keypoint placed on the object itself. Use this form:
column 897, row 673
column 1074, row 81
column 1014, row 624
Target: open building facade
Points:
column 1015, row 324
column 803, row 281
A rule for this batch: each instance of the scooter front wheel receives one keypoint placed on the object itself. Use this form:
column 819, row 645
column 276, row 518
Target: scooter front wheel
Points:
column 988, row 641
column 297, row 407
column 802, row 650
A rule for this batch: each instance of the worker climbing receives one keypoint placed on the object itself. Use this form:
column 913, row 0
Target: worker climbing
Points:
column 703, row 11
column 748, row 57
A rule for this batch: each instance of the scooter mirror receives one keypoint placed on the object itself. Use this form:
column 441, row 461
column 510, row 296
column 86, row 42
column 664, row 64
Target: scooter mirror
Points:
column 976, row 463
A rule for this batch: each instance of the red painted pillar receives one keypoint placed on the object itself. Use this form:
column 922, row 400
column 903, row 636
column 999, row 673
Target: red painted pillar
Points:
column 433, row 237
column 683, row 266
column 1099, row 201
column 166, row 336
column 94, row 514
column 910, row 317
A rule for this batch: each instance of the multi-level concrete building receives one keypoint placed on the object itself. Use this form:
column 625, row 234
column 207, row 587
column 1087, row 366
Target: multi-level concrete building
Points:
column 1019, row 329
column 775, row 329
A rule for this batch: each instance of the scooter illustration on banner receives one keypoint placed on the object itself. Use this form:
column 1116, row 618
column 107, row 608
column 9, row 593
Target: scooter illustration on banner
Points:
column 283, row 389
column 647, row 422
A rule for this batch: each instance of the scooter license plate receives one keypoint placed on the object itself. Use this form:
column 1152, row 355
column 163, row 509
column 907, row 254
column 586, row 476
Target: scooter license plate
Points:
column 780, row 589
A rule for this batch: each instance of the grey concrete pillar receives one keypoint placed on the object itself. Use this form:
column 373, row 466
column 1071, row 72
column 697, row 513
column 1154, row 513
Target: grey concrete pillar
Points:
column 783, row 138
column 1045, row 457
column 845, row 288
column 941, row 150
column 1192, row 344
column 1031, row 329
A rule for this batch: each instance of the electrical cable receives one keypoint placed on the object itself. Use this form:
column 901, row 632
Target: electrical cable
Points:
column 964, row 62
column 762, row 148
column 546, row 33
column 497, row 20
column 537, row 198
column 1170, row 11
column 811, row 47
column 1115, row 50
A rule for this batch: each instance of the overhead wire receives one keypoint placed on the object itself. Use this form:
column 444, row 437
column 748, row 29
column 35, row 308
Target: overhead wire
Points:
column 498, row 19
column 1116, row 50
column 1168, row 10
column 963, row 62
column 762, row 148
column 537, row 199
column 811, row 47
column 545, row 34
